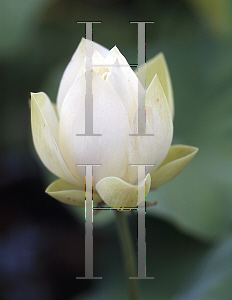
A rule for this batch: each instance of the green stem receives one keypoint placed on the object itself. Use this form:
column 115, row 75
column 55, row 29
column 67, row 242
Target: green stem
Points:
column 128, row 253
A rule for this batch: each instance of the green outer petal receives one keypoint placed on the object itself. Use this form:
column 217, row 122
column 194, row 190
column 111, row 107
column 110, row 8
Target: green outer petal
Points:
column 176, row 160
column 158, row 65
column 152, row 149
column 44, row 123
column 69, row 193
column 118, row 193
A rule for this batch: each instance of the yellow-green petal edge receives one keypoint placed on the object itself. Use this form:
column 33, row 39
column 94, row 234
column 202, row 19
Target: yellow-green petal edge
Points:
column 176, row 160
column 69, row 193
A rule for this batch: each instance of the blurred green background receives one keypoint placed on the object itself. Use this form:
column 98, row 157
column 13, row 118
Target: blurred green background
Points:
column 189, row 232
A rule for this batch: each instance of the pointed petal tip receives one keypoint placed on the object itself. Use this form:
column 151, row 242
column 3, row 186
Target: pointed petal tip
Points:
column 158, row 64
column 161, row 55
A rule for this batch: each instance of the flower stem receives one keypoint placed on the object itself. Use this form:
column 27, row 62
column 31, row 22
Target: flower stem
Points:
column 128, row 253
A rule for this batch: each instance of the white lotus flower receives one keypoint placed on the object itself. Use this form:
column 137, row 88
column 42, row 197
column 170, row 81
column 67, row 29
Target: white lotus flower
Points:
column 115, row 113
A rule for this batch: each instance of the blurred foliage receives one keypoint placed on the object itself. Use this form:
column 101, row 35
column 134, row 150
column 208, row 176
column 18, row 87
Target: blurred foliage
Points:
column 216, row 14
column 38, row 38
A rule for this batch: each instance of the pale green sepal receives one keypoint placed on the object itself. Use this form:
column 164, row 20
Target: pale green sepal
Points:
column 176, row 160
column 45, row 133
column 118, row 193
column 69, row 193
column 158, row 65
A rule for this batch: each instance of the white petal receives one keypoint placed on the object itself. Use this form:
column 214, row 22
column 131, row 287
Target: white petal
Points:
column 152, row 149
column 118, row 80
column 130, row 74
column 110, row 120
column 72, row 70
column 101, row 49
column 45, row 126
column 98, row 61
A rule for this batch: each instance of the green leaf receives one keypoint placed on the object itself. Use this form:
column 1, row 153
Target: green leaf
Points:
column 213, row 278
column 18, row 22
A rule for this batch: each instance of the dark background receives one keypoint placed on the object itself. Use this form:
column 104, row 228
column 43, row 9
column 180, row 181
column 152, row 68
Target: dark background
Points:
column 189, row 241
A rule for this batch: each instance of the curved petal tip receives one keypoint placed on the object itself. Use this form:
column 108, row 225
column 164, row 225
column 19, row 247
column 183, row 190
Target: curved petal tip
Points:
column 118, row 193
column 178, row 157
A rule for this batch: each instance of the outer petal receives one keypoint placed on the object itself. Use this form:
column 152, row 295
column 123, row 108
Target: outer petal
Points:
column 152, row 149
column 158, row 65
column 118, row 193
column 73, row 67
column 109, row 119
column 44, row 125
column 176, row 160
column 69, row 193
